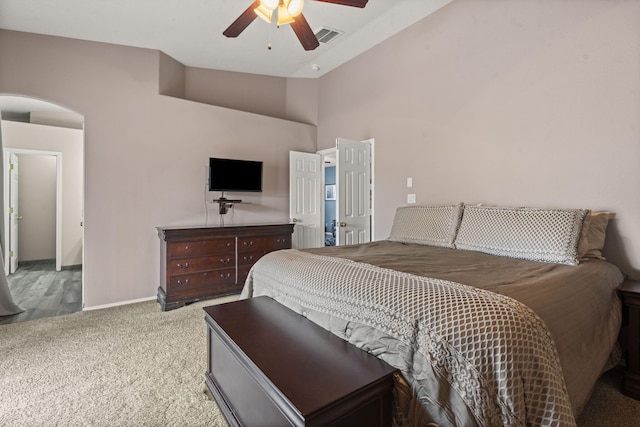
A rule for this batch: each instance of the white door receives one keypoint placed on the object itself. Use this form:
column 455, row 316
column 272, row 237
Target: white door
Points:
column 354, row 201
column 13, row 213
column 305, row 199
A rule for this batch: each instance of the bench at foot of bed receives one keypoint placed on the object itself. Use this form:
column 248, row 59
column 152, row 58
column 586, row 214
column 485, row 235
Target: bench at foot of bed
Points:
column 271, row 366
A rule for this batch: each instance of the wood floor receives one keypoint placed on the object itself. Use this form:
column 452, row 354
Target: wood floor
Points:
column 44, row 292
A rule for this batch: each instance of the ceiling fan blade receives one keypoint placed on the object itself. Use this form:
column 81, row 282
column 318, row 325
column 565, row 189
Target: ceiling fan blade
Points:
column 243, row 21
column 305, row 33
column 354, row 3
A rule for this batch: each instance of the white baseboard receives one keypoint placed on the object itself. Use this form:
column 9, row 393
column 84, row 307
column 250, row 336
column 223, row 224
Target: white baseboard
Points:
column 116, row 304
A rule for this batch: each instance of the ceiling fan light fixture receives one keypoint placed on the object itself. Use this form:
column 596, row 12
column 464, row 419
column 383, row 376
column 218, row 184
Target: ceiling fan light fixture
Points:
column 283, row 15
column 264, row 13
column 270, row 4
column 288, row 12
column 294, row 8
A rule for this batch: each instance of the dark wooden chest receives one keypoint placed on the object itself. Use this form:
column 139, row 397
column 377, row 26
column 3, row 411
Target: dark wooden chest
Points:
column 269, row 366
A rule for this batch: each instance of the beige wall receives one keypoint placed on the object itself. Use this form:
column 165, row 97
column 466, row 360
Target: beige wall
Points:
column 293, row 99
column 514, row 103
column 68, row 142
column 502, row 102
column 264, row 95
column 146, row 155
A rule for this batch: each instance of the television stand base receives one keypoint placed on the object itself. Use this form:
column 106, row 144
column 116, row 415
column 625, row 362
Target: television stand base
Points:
column 225, row 204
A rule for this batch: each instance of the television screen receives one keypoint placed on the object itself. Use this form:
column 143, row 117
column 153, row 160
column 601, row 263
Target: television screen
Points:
column 235, row 175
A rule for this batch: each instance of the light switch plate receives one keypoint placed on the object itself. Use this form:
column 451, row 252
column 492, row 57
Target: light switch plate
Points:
column 411, row 198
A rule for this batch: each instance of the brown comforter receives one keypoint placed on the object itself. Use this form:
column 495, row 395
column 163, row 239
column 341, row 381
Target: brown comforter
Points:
column 578, row 304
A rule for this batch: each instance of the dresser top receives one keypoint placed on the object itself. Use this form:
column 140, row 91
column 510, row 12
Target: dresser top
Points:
column 228, row 226
column 204, row 232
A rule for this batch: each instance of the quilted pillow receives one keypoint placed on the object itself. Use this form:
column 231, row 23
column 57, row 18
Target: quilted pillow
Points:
column 545, row 235
column 426, row 225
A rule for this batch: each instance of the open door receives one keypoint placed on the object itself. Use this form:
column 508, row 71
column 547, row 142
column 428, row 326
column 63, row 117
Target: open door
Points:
column 353, row 177
column 305, row 199
column 11, row 192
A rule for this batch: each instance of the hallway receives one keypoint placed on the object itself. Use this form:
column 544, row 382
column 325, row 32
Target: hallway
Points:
column 44, row 292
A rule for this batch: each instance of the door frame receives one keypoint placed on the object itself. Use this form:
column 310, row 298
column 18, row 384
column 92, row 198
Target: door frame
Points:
column 58, row 156
column 332, row 152
column 328, row 152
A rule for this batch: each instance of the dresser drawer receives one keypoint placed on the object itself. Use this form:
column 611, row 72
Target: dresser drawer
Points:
column 201, row 248
column 263, row 243
column 192, row 265
column 202, row 279
column 250, row 244
column 188, row 295
column 249, row 258
column 274, row 243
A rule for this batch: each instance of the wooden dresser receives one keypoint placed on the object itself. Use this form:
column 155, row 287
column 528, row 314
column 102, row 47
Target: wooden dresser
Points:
column 198, row 263
column 630, row 290
column 270, row 366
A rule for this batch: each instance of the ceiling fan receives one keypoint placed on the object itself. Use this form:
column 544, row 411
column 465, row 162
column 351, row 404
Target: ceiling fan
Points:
column 287, row 12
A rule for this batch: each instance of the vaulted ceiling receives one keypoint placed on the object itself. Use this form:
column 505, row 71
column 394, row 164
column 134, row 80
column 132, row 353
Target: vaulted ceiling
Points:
column 190, row 31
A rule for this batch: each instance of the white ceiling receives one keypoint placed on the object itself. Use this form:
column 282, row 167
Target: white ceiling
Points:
column 190, row 31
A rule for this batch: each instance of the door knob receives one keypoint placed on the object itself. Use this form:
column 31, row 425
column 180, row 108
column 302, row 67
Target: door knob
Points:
column 343, row 224
column 19, row 218
column 294, row 219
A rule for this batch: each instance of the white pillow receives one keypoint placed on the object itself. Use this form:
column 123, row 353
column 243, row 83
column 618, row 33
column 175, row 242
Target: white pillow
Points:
column 545, row 235
column 426, row 225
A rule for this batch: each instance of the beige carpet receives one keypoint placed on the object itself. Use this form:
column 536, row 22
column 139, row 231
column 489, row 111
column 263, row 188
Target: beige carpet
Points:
column 126, row 366
column 137, row 366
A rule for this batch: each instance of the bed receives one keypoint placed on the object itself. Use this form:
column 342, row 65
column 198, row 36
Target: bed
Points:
column 492, row 315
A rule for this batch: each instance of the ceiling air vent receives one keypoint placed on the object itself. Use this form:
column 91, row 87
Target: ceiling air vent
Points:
column 325, row 35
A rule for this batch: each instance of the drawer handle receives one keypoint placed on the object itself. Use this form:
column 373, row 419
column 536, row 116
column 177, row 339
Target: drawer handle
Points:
column 186, row 282
column 248, row 243
column 248, row 258
column 281, row 240
column 225, row 261
column 186, row 248
column 225, row 276
column 186, row 265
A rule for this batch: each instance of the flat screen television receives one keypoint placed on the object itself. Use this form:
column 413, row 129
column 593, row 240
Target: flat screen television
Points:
column 235, row 175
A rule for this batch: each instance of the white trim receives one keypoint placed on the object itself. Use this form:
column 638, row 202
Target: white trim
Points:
column 328, row 151
column 117, row 304
column 371, row 142
column 58, row 156
column 323, row 153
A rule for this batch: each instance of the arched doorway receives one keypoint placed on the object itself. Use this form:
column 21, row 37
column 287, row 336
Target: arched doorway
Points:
column 36, row 130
